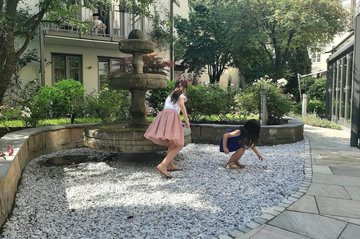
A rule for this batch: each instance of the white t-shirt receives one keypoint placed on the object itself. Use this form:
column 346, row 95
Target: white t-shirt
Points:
column 169, row 105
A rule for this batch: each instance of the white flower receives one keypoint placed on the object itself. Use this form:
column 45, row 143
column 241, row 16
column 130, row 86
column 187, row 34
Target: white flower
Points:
column 281, row 82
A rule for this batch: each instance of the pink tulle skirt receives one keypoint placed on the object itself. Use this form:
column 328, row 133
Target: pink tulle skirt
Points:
column 166, row 128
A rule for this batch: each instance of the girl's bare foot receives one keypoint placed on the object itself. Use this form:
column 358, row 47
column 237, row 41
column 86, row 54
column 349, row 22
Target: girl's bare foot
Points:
column 163, row 171
column 231, row 166
column 240, row 165
column 173, row 167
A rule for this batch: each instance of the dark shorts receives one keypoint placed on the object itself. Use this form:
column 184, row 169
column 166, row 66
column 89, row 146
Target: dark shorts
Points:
column 233, row 144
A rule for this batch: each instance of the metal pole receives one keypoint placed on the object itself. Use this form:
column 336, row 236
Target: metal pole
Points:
column 42, row 56
column 355, row 113
column 263, row 104
column 298, row 76
column 172, row 40
column 304, row 106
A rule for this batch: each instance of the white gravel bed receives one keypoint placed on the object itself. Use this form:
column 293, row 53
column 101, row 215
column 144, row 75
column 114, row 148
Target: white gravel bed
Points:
column 123, row 198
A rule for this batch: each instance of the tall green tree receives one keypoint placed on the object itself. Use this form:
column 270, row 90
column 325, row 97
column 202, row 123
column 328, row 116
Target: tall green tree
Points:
column 282, row 26
column 202, row 39
column 20, row 22
column 299, row 63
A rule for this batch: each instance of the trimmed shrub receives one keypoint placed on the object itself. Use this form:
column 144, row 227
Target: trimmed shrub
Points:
column 203, row 100
column 210, row 100
column 156, row 98
column 108, row 105
column 316, row 96
column 317, row 107
column 60, row 100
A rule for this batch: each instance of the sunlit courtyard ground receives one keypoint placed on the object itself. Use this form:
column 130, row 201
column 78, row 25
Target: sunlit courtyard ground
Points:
column 114, row 197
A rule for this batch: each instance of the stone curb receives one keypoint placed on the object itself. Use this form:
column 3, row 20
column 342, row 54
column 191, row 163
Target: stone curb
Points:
column 257, row 224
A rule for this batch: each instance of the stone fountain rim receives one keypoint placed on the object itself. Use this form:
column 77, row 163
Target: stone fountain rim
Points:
column 131, row 46
column 140, row 75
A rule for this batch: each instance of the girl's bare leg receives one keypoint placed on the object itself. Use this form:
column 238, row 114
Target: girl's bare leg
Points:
column 234, row 159
column 176, row 149
column 168, row 160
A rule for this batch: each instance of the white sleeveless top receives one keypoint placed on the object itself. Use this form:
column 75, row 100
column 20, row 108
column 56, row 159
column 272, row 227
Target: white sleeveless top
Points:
column 169, row 105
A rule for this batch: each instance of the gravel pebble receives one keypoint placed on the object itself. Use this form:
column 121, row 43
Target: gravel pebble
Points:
column 127, row 198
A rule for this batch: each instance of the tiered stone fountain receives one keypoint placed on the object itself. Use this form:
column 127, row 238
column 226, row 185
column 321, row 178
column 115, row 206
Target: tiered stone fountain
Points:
column 129, row 138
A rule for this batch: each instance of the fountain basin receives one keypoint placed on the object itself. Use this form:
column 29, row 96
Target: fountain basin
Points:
column 123, row 138
column 131, row 46
column 137, row 81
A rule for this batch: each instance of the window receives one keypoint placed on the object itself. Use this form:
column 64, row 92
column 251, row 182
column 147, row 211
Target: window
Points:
column 316, row 57
column 107, row 65
column 67, row 67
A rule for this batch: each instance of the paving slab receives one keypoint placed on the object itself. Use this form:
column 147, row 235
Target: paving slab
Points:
column 327, row 190
column 341, row 157
column 338, row 207
column 336, row 180
column 270, row 232
column 351, row 232
column 236, row 234
column 353, row 171
column 321, row 169
column 251, row 233
column 335, row 162
column 354, row 192
column 305, row 204
column 345, row 219
column 310, row 225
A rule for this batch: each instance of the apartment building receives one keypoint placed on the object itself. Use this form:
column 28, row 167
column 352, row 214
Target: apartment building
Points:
column 67, row 52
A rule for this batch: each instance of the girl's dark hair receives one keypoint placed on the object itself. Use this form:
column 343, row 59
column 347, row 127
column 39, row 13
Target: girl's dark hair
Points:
column 252, row 131
column 177, row 91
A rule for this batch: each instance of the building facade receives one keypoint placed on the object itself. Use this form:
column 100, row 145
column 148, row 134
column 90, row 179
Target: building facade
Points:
column 68, row 52
column 343, row 82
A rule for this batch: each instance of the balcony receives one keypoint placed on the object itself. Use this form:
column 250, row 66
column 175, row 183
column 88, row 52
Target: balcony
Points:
column 118, row 24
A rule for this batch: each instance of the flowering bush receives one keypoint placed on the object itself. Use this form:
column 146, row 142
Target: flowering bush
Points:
column 152, row 64
column 278, row 103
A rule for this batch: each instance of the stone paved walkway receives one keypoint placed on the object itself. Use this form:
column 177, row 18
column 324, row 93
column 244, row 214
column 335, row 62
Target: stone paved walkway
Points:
column 330, row 209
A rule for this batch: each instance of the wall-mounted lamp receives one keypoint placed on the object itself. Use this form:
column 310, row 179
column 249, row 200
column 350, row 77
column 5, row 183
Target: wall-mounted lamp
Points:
column 89, row 67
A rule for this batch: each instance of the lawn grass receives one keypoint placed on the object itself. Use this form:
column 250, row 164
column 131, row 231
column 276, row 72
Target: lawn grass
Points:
column 314, row 120
column 310, row 119
column 46, row 122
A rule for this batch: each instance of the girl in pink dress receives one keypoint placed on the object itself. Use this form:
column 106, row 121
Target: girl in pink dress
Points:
column 166, row 129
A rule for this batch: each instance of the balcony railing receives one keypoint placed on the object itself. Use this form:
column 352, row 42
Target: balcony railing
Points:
column 118, row 24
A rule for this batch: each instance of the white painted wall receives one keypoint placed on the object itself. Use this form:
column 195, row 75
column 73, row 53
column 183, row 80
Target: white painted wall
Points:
column 89, row 62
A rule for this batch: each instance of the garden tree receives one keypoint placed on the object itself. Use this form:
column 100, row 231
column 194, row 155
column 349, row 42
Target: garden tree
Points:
column 20, row 22
column 299, row 63
column 251, row 61
column 202, row 39
column 161, row 30
column 282, row 26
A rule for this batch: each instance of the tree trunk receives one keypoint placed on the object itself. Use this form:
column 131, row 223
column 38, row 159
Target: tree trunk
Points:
column 279, row 67
column 8, row 63
column 215, row 72
column 8, row 54
column 6, row 74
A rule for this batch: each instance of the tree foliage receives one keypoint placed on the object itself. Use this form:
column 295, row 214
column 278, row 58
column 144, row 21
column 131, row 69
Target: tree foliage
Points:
column 257, row 36
column 202, row 39
column 280, row 27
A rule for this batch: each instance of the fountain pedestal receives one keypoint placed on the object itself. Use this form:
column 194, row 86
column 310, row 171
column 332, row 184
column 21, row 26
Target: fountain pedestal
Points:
column 130, row 137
